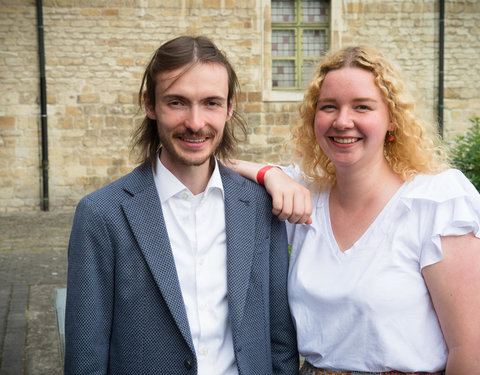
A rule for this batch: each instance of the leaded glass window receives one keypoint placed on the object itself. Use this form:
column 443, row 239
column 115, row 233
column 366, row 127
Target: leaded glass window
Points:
column 299, row 40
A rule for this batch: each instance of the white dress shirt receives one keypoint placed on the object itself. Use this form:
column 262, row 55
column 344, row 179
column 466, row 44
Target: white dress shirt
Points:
column 196, row 229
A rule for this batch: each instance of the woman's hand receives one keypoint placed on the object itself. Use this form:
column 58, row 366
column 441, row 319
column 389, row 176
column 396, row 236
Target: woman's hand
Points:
column 291, row 200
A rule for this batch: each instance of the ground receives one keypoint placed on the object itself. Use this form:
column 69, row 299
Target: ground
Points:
column 33, row 265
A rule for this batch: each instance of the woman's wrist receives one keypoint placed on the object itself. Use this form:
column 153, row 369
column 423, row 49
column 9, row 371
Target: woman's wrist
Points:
column 261, row 174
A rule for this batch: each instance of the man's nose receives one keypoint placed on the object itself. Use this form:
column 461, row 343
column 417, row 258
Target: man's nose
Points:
column 194, row 120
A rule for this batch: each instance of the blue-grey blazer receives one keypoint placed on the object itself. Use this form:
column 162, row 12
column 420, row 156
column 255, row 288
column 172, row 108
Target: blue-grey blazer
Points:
column 125, row 313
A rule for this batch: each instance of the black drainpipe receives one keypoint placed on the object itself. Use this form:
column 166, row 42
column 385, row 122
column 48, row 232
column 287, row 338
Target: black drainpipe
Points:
column 441, row 42
column 43, row 105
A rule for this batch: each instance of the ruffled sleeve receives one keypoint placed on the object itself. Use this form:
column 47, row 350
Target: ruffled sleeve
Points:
column 447, row 205
column 294, row 171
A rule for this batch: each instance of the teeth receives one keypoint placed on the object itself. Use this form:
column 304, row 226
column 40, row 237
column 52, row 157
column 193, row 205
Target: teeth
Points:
column 195, row 140
column 345, row 140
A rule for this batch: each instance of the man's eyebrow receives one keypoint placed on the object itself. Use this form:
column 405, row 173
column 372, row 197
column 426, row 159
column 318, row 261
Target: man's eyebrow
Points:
column 215, row 98
column 181, row 97
column 173, row 96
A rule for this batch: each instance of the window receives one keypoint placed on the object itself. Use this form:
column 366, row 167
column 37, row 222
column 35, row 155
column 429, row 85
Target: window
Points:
column 299, row 40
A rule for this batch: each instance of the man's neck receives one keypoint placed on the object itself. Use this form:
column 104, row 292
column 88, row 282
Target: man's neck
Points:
column 194, row 177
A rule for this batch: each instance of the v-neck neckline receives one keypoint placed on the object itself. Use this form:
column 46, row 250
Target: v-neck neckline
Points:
column 373, row 226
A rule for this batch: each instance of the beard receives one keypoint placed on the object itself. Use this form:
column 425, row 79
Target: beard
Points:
column 191, row 157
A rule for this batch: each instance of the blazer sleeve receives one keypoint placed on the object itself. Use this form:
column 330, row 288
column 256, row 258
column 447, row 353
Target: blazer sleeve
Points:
column 285, row 359
column 88, row 313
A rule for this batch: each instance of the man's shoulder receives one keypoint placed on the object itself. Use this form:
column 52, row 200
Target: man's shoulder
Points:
column 135, row 180
column 238, row 188
column 239, row 182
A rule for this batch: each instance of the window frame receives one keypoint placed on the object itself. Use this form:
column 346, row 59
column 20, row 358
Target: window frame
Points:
column 298, row 26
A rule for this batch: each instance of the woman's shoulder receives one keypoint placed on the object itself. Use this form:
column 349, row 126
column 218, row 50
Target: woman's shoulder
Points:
column 444, row 186
column 294, row 171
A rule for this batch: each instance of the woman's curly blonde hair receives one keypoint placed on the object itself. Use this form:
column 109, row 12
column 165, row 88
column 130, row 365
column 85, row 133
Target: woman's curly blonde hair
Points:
column 416, row 148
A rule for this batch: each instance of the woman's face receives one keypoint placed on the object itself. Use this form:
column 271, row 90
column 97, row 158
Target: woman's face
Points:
column 351, row 119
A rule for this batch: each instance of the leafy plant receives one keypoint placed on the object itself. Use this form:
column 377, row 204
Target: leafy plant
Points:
column 466, row 153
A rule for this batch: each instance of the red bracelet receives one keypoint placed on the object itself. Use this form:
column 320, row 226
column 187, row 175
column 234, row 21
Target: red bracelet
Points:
column 261, row 173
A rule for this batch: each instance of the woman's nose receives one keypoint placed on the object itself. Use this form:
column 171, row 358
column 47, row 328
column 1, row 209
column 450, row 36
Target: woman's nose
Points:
column 344, row 120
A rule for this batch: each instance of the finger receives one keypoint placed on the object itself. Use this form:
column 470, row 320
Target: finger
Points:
column 303, row 220
column 283, row 207
column 298, row 208
column 308, row 208
column 277, row 204
column 302, row 208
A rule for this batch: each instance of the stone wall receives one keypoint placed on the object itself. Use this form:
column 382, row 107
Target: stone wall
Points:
column 96, row 52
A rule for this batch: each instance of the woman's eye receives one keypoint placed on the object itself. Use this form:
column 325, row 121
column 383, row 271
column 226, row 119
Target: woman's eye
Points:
column 363, row 108
column 327, row 107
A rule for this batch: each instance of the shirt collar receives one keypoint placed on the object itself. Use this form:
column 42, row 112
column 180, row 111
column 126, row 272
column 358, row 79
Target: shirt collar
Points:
column 168, row 185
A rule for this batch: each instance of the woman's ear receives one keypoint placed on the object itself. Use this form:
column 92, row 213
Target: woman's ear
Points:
column 391, row 126
column 149, row 109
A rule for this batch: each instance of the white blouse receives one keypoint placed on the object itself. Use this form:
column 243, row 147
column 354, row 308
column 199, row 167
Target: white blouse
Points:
column 368, row 308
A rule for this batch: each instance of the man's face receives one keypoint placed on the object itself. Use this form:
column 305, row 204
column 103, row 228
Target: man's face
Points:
column 191, row 110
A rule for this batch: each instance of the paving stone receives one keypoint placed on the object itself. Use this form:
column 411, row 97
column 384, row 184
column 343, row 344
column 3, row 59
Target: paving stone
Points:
column 33, row 265
column 15, row 330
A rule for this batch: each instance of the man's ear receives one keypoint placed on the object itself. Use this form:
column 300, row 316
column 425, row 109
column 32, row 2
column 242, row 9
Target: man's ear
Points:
column 149, row 109
column 230, row 110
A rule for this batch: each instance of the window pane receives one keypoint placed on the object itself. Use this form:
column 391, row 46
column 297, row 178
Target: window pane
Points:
column 283, row 43
column 283, row 73
column 299, row 40
column 314, row 43
column 283, row 11
column 314, row 11
column 308, row 68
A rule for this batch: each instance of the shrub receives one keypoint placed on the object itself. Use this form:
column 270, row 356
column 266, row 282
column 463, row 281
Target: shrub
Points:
column 466, row 153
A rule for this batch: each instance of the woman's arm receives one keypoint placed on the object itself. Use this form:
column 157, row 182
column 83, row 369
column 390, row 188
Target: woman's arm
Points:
column 291, row 201
column 454, row 285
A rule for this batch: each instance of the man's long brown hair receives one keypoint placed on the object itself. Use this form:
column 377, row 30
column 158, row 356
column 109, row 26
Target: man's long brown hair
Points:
column 185, row 51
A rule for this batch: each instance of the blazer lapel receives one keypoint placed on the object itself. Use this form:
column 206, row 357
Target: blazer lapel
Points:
column 144, row 214
column 240, row 232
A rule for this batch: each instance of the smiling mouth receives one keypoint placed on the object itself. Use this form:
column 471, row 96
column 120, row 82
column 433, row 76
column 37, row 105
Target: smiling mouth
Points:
column 344, row 140
column 193, row 140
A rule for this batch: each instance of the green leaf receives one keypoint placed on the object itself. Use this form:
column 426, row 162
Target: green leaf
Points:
column 466, row 152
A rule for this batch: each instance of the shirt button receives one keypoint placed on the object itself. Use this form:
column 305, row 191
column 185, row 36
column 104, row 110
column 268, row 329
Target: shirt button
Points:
column 185, row 196
column 201, row 261
column 187, row 364
column 203, row 306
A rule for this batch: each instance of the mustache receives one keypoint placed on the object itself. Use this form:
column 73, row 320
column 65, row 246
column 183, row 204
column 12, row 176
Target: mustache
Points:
column 190, row 134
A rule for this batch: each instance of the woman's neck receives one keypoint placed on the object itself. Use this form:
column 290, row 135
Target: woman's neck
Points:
column 355, row 188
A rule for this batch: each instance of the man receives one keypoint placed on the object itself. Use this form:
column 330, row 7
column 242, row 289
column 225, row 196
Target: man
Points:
column 179, row 267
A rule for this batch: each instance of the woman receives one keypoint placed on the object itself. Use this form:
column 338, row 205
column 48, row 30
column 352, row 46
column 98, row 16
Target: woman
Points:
column 386, row 279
